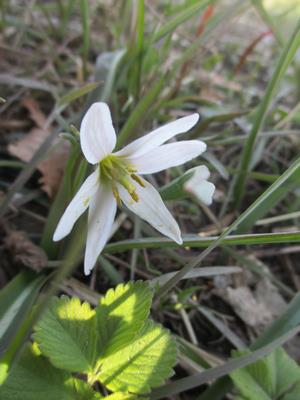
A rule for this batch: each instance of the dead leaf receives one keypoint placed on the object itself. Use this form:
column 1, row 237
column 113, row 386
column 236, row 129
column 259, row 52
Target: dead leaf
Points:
column 247, row 307
column 35, row 112
column 52, row 167
column 257, row 308
column 28, row 145
column 23, row 252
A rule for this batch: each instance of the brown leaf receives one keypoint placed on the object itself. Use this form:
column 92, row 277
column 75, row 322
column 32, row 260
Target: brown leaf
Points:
column 25, row 148
column 52, row 167
column 35, row 112
column 258, row 307
column 23, row 252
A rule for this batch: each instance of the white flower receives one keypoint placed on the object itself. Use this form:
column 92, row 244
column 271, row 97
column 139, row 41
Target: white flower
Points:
column 199, row 186
column 117, row 178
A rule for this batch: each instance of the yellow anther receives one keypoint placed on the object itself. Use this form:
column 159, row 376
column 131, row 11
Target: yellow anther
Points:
column 116, row 195
column 138, row 180
column 114, row 170
column 134, row 196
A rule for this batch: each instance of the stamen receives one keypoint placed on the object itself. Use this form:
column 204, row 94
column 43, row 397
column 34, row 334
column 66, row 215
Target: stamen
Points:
column 114, row 170
column 134, row 196
column 138, row 180
column 131, row 169
column 116, row 195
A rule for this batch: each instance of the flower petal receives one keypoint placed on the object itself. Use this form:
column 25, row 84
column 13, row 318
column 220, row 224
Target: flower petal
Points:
column 97, row 134
column 77, row 206
column 168, row 155
column 204, row 191
column 155, row 138
column 151, row 208
column 102, row 212
column 199, row 186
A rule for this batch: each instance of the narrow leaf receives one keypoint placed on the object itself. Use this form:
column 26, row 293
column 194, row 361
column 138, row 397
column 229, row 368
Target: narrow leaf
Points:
column 16, row 301
column 187, row 13
column 284, row 61
column 77, row 93
column 197, row 380
column 194, row 241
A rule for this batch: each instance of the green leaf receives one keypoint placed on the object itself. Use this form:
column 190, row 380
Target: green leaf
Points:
column 285, row 323
column 175, row 189
column 16, row 301
column 124, row 396
column 278, row 190
column 106, row 71
column 34, row 378
column 253, row 386
column 143, row 364
column 267, row 378
column 187, row 13
column 77, row 93
column 121, row 314
column 196, row 380
column 141, row 111
column 294, row 393
column 194, row 241
column 287, row 372
column 284, row 61
column 66, row 334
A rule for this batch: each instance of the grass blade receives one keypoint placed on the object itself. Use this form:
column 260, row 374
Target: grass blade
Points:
column 268, row 194
column 84, row 8
column 194, row 241
column 76, row 93
column 284, row 61
column 285, row 183
column 187, row 13
column 16, row 300
column 285, row 323
column 196, row 380
column 140, row 111
column 197, row 273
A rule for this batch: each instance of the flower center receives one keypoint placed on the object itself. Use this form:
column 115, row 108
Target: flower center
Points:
column 114, row 170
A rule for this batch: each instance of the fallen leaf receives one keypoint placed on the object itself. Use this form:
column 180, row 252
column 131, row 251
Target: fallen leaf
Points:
column 257, row 308
column 35, row 112
column 22, row 252
column 52, row 166
column 247, row 307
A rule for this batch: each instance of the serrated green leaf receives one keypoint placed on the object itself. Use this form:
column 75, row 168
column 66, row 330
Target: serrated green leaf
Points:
column 121, row 314
column 34, row 378
column 124, row 396
column 67, row 334
column 288, row 373
column 248, row 386
column 145, row 363
column 267, row 378
column 293, row 393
